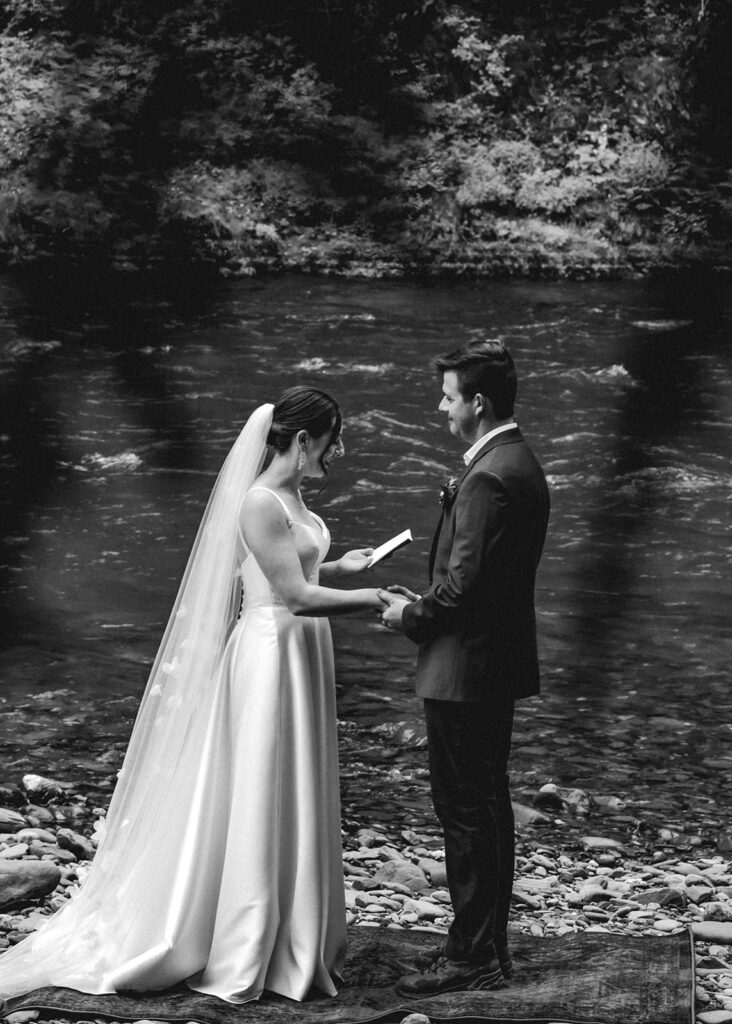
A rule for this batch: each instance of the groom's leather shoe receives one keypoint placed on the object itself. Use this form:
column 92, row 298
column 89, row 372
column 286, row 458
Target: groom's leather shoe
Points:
column 443, row 975
column 504, row 961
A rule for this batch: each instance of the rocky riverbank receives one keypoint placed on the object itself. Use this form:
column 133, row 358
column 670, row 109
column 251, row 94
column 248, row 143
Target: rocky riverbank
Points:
column 588, row 883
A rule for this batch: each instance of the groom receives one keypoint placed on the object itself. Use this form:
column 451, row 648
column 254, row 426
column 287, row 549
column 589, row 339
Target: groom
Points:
column 476, row 631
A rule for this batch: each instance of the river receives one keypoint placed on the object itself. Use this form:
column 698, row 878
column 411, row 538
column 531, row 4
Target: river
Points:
column 119, row 406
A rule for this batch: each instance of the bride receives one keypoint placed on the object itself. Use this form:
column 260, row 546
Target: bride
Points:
column 221, row 863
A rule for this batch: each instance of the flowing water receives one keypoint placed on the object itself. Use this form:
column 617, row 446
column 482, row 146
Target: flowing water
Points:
column 119, row 407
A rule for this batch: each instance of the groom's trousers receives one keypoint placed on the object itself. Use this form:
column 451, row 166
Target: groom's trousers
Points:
column 469, row 743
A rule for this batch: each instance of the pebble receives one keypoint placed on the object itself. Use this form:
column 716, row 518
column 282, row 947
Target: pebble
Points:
column 667, row 925
column 14, row 852
column 599, row 844
column 403, row 872
column 11, row 821
column 25, row 880
column 713, row 931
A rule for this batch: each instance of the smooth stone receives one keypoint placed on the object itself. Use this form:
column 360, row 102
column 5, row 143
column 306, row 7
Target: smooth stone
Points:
column 42, row 788
column 611, row 804
column 713, row 931
column 11, row 821
column 524, row 815
column 717, row 911
column 600, row 844
column 359, row 855
column 389, row 853
column 549, row 798
column 49, row 850
column 25, row 880
column 351, row 871
column 714, row 1017
column 37, row 815
column 712, row 962
column 590, row 892
column 699, row 894
column 401, row 873
column 683, row 867
column 369, row 837
column 596, row 913
column 543, row 862
column 526, row 899
column 434, row 869
column 665, row 897
column 26, row 835
column 79, row 845
column 667, row 925
column 577, row 799
column 14, row 852
column 425, row 909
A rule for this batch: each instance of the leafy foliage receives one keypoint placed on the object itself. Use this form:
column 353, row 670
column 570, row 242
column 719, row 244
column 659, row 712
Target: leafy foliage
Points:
column 572, row 138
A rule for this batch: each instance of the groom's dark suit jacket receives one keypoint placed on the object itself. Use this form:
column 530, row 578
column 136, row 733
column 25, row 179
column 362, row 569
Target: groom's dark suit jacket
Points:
column 476, row 625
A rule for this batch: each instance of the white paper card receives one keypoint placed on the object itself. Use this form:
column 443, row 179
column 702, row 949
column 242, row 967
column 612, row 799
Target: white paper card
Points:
column 405, row 537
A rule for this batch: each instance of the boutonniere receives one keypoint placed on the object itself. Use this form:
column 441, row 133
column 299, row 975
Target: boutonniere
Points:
column 448, row 491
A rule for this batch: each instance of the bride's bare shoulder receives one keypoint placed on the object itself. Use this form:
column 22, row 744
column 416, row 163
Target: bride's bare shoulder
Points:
column 263, row 505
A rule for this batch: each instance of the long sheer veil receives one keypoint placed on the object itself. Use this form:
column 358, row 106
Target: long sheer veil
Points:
column 130, row 912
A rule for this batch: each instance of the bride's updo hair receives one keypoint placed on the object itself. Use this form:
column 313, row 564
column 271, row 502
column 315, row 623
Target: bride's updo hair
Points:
column 304, row 408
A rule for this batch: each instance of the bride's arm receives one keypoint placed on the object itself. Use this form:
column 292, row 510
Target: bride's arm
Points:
column 269, row 539
column 354, row 561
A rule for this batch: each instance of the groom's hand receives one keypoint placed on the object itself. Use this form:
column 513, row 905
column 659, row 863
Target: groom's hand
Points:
column 395, row 588
column 393, row 608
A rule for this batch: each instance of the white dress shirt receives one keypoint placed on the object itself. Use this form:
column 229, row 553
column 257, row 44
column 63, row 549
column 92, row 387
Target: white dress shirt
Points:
column 475, row 448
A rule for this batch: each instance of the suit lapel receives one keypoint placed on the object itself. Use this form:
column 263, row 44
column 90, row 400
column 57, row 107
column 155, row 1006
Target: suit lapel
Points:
column 435, row 542
column 503, row 438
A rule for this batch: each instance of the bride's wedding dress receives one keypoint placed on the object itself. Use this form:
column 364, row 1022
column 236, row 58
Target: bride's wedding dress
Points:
column 280, row 918
column 223, row 864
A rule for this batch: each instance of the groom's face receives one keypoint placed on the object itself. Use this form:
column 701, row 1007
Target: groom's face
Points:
column 462, row 417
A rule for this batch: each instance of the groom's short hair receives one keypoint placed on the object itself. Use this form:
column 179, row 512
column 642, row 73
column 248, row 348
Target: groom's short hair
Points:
column 486, row 368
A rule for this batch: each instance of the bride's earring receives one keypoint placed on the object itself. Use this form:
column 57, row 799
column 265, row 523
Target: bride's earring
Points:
column 301, row 460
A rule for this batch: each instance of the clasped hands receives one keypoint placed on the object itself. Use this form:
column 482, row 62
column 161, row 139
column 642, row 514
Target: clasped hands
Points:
column 394, row 599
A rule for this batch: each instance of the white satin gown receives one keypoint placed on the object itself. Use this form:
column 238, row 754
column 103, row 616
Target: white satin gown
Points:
column 240, row 890
column 280, row 921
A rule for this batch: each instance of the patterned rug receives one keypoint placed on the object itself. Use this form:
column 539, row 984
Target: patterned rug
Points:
column 589, row 978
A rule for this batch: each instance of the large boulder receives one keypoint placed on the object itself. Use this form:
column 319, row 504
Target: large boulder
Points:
column 24, row 880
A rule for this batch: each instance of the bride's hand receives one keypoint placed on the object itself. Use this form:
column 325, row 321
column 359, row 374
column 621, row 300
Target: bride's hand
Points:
column 357, row 560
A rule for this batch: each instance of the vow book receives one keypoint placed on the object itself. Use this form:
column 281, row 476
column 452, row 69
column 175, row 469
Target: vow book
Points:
column 389, row 546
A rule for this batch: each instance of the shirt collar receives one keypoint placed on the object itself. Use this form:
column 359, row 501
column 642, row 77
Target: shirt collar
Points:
column 475, row 448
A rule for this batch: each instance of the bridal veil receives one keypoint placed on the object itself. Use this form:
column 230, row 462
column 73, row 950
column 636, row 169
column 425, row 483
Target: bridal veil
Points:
column 127, row 925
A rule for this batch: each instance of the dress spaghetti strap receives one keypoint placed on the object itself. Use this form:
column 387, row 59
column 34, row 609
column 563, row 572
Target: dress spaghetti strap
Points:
column 269, row 490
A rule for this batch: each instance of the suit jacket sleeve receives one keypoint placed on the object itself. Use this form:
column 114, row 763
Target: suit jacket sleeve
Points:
column 479, row 520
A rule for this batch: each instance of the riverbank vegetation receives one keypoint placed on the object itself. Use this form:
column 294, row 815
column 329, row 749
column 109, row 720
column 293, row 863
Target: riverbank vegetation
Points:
column 565, row 138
